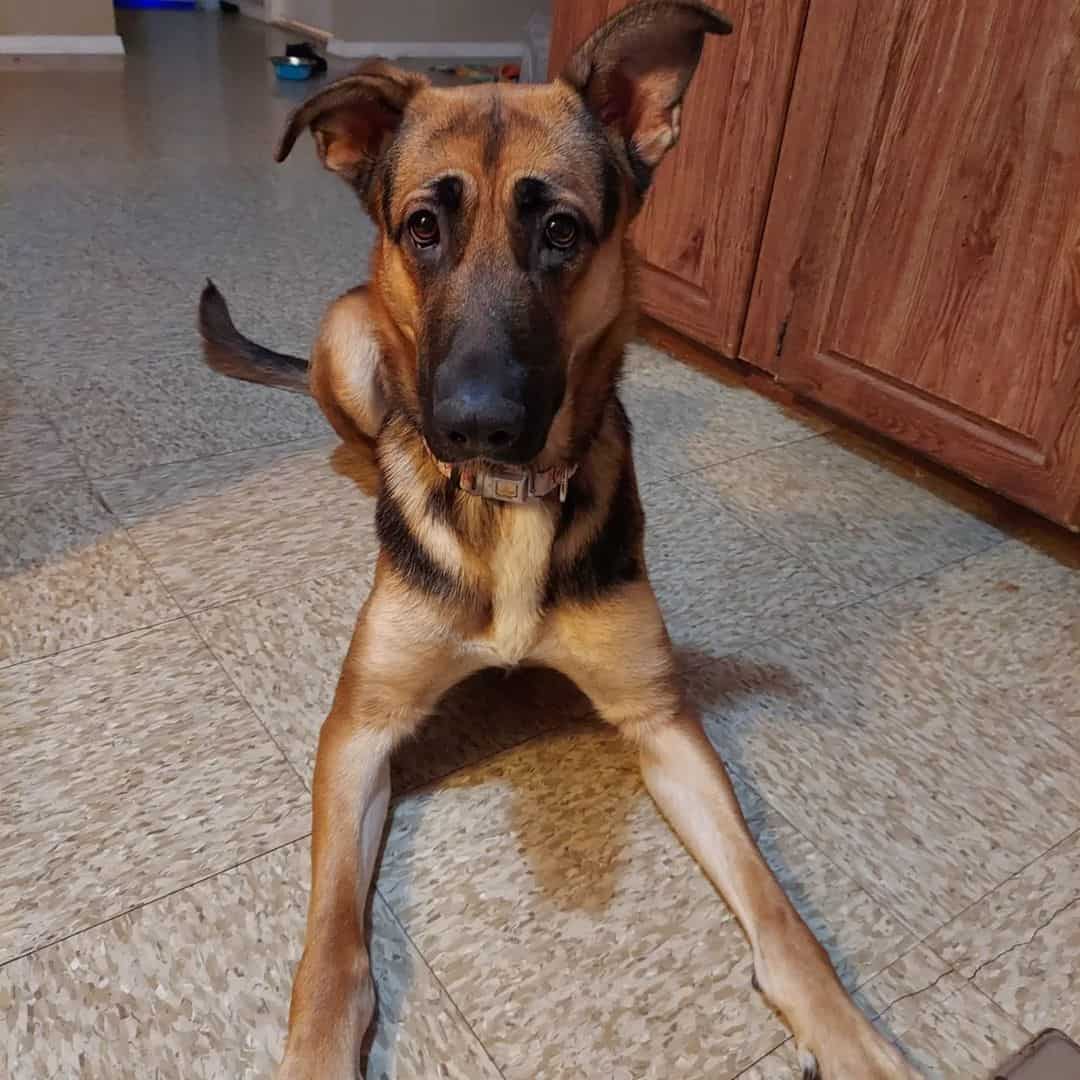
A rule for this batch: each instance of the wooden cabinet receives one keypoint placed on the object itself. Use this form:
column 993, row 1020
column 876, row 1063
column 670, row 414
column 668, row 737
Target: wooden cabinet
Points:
column 920, row 269
column 700, row 229
column 896, row 231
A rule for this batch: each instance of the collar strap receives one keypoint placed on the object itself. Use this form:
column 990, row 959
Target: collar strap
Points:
column 508, row 483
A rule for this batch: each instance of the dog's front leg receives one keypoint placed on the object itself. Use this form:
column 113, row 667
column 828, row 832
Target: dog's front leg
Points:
column 689, row 784
column 618, row 653
column 396, row 669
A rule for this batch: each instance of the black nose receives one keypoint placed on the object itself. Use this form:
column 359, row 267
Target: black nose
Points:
column 476, row 419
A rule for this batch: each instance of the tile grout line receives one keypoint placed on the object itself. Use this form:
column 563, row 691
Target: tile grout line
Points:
column 44, row 657
column 438, row 982
column 1000, row 885
column 250, row 707
column 258, row 595
column 727, row 508
column 107, row 478
column 186, row 617
column 152, row 900
column 698, row 469
column 758, row 1060
column 794, row 630
column 950, row 968
column 184, row 613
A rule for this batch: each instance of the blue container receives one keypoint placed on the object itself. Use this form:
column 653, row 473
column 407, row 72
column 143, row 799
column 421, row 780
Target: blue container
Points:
column 293, row 67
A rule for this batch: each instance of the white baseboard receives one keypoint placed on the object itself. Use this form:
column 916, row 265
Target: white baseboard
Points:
column 426, row 50
column 253, row 11
column 61, row 45
column 302, row 28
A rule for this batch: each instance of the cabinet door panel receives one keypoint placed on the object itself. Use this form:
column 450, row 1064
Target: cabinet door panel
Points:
column 700, row 230
column 921, row 262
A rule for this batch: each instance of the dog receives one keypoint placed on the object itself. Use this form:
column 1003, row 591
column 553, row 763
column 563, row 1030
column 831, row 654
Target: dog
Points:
column 482, row 361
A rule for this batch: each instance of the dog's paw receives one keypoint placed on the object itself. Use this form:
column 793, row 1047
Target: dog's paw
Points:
column 868, row 1056
column 808, row 1065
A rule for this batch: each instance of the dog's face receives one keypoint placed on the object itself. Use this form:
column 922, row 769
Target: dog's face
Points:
column 502, row 213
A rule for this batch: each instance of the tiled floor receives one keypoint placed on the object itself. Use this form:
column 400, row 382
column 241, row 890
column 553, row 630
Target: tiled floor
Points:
column 888, row 662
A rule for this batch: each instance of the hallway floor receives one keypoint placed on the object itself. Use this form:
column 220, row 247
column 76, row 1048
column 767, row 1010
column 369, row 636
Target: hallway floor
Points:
column 887, row 659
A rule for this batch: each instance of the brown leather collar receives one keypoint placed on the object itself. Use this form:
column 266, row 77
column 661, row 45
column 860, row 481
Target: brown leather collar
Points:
column 508, row 483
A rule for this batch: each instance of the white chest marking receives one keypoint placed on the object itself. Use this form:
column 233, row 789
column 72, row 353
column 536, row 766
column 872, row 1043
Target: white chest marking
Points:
column 519, row 570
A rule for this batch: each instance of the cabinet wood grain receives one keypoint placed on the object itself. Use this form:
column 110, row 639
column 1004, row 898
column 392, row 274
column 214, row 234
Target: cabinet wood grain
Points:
column 920, row 268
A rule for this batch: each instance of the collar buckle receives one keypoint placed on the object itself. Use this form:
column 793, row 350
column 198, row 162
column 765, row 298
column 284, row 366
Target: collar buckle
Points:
column 503, row 485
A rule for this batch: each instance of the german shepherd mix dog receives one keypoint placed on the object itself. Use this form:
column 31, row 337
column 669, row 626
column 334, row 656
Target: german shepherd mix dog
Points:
column 483, row 359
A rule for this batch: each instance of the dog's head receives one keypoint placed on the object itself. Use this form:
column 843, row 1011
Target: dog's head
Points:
column 502, row 212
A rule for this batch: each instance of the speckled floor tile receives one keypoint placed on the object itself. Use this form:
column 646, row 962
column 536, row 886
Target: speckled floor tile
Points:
column 132, row 767
column 69, row 575
column 1021, row 944
column 1011, row 616
column 240, row 524
column 856, row 514
column 284, row 651
column 920, row 783
column 126, row 412
column 947, row 1029
column 31, row 452
column 720, row 584
column 684, row 419
column 197, row 986
column 115, row 232
column 577, row 935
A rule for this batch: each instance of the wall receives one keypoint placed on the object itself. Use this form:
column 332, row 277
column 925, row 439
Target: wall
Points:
column 434, row 20
column 57, row 17
column 315, row 13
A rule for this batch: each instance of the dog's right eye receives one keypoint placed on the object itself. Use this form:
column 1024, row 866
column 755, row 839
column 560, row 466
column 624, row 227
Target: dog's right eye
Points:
column 424, row 228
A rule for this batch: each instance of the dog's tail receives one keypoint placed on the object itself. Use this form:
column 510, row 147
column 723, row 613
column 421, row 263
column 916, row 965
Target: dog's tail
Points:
column 228, row 351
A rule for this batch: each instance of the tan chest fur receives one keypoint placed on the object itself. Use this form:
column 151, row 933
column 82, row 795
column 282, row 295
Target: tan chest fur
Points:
column 518, row 570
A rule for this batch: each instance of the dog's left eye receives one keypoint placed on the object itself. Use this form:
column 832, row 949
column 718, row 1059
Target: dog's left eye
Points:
column 424, row 228
column 561, row 232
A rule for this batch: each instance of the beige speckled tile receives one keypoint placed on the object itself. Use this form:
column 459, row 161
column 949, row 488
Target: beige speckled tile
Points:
column 947, row 1029
column 197, row 986
column 720, row 584
column 284, row 650
column 1010, row 615
column 855, row 513
column 1021, row 944
column 131, row 767
column 780, row 1064
column 31, row 452
column 240, row 524
column 144, row 408
column 684, row 419
column 69, row 575
column 920, row 783
column 577, row 935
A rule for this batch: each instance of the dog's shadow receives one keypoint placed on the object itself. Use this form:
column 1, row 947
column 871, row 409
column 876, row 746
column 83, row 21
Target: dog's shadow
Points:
column 560, row 828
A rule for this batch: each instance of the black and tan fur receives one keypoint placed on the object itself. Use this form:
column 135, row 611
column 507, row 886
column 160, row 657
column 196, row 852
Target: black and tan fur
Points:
column 461, row 582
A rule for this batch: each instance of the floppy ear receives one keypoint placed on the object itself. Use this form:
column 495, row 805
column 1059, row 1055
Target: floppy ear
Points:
column 634, row 69
column 354, row 119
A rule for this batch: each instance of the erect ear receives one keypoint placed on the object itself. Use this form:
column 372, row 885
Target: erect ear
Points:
column 634, row 69
column 354, row 119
